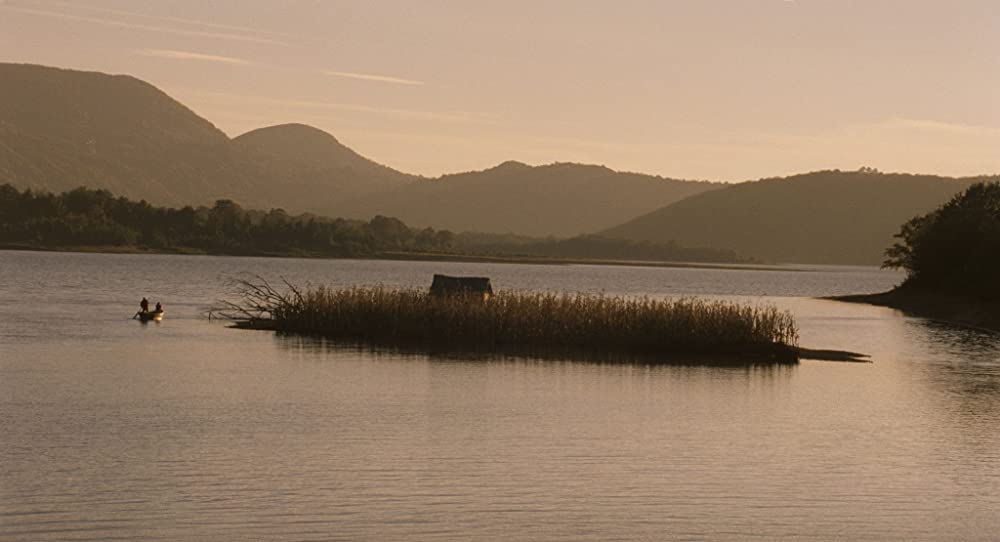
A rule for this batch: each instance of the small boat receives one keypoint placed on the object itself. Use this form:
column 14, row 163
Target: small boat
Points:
column 145, row 316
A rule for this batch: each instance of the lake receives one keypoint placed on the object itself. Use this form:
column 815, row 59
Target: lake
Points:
column 187, row 430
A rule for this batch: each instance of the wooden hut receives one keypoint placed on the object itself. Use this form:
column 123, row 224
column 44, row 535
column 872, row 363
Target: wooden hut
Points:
column 477, row 287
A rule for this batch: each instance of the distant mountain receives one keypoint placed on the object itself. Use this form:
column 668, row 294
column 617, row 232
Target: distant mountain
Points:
column 829, row 217
column 313, row 148
column 60, row 129
column 315, row 171
column 556, row 199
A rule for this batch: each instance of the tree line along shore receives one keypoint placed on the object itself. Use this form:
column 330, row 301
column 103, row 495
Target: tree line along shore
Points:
column 96, row 220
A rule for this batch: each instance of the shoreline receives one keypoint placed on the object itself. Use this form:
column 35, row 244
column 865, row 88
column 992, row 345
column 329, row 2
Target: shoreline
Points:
column 934, row 306
column 414, row 256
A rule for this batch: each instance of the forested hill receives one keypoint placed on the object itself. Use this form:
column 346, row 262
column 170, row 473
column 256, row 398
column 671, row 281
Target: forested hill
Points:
column 830, row 217
column 60, row 129
column 558, row 199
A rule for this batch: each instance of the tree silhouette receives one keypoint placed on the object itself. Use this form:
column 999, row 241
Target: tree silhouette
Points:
column 955, row 248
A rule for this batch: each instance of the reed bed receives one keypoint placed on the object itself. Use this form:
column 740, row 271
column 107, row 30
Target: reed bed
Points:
column 516, row 320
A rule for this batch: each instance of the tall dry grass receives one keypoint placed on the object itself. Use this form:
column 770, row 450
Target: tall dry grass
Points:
column 516, row 319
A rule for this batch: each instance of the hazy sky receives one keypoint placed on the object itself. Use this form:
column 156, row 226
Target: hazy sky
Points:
column 706, row 89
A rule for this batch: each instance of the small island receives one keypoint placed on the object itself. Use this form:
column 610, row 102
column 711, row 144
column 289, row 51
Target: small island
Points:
column 545, row 325
column 952, row 257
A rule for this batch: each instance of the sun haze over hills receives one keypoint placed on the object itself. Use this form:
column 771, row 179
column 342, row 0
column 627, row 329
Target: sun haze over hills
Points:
column 65, row 128
column 60, row 129
column 723, row 91
column 520, row 118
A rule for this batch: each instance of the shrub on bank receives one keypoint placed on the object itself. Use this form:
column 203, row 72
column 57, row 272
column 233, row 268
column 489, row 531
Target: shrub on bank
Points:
column 954, row 249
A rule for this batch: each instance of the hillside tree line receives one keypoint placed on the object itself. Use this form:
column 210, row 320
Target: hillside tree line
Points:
column 96, row 218
column 85, row 217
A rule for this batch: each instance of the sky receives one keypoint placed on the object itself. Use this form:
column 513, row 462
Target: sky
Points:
column 724, row 90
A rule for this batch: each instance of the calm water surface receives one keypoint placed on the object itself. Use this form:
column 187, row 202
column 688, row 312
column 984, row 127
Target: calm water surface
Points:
column 187, row 430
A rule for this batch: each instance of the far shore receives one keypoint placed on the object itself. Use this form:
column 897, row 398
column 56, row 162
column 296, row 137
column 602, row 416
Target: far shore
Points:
column 935, row 306
column 410, row 256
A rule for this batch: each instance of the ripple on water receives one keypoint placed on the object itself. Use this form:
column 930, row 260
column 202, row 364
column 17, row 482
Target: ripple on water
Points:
column 188, row 430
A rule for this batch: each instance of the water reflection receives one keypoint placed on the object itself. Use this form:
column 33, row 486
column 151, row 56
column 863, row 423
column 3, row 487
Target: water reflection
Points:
column 301, row 343
column 189, row 430
column 965, row 360
column 947, row 338
column 958, row 400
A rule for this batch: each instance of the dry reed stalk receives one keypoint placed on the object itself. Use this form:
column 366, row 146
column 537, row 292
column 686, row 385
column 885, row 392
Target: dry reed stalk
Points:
column 513, row 319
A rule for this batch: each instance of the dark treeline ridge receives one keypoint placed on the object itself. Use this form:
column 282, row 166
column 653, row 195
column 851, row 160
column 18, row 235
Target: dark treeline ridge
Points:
column 954, row 249
column 84, row 217
column 96, row 218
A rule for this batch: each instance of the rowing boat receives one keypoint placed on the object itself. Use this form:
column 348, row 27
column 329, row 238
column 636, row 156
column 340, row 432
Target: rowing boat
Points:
column 145, row 316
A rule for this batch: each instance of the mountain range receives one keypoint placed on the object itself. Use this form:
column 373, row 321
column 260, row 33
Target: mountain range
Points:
column 60, row 129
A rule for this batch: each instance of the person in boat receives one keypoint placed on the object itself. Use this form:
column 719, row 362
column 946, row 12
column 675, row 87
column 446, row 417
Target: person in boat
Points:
column 144, row 305
column 159, row 307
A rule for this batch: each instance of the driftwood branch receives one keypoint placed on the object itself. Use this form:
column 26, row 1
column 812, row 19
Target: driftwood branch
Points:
column 257, row 300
